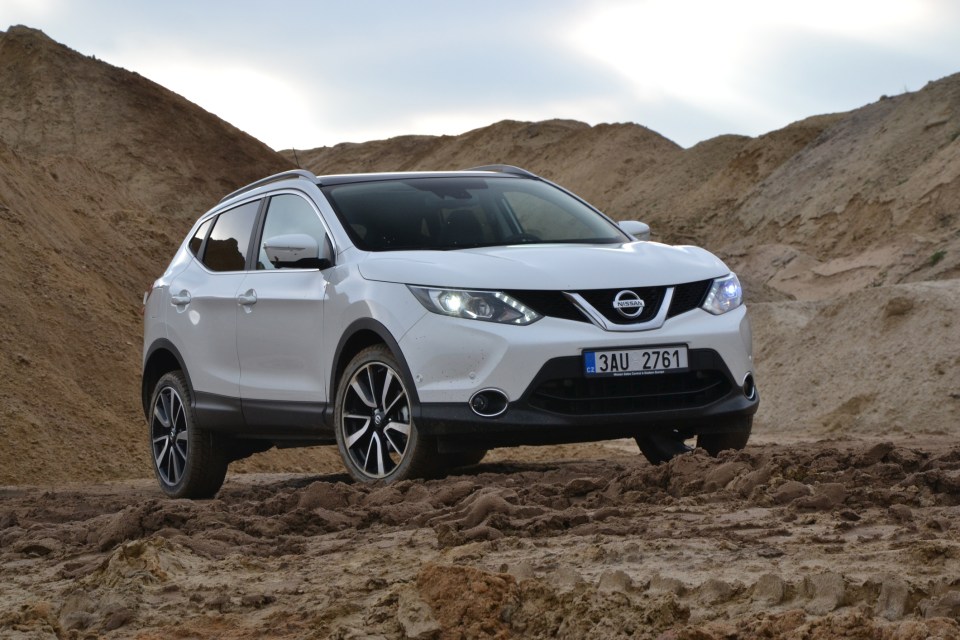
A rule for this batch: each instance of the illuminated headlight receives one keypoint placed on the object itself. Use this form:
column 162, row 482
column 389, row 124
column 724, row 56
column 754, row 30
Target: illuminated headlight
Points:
column 725, row 295
column 489, row 306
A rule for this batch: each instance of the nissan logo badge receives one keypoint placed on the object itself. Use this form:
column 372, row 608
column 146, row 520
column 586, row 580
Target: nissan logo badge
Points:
column 628, row 304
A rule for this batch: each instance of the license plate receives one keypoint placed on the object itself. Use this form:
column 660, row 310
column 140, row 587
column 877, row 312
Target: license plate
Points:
column 634, row 362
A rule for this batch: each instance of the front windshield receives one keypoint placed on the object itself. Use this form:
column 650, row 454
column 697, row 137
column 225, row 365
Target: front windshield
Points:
column 463, row 212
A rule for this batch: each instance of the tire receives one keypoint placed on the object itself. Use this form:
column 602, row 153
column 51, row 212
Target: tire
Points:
column 186, row 459
column 376, row 435
column 660, row 448
column 714, row 443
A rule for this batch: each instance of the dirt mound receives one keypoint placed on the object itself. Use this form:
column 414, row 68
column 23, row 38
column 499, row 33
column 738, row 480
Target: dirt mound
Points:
column 101, row 174
column 567, row 151
column 158, row 147
column 808, row 541
column 882, row 360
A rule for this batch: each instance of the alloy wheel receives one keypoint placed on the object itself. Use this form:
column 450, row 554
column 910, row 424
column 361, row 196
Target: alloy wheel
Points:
column 376, row 421
column 168, row 433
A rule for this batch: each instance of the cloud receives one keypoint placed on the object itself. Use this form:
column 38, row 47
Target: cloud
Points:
column 262, row 101
column 319, row 73
column 757, row 64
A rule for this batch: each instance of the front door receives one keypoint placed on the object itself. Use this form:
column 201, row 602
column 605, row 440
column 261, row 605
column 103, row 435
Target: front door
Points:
column 282, row 379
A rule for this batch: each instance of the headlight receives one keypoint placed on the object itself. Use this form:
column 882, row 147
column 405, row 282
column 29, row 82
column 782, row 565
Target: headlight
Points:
column 725, row 295
column 490, row 306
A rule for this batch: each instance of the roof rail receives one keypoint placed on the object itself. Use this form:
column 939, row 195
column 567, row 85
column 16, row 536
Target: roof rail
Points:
column 505, row 168
column 286, row 175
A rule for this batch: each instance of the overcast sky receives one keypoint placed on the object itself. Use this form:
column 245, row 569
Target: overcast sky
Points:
column 311, row 74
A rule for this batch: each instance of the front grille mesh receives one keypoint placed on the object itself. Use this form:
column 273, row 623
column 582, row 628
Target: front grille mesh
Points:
column 686, row 297
column 601, row 396
column 549, row 303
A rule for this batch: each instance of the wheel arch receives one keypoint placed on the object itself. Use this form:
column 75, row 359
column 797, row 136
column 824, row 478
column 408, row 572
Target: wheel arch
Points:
column 359, row 335
column 162, row 357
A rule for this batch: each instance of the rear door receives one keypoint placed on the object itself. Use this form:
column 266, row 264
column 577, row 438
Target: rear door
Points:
column 202, row 319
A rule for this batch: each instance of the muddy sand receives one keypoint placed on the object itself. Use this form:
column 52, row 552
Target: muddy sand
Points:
column 829, row 539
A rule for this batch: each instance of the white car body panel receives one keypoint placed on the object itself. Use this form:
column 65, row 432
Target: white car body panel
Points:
column 208, row 325
column 279, row 337
column 546, row 266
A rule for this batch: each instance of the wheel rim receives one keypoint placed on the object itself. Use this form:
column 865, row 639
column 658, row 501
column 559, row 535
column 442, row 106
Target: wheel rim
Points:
column 376, row 421
column 168, row 432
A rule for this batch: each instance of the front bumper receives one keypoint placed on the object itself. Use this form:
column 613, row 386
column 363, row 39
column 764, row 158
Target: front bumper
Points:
column 561, row 406
column 451, row 359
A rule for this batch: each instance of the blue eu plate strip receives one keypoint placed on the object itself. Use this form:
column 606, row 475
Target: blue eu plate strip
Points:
column 590, row 359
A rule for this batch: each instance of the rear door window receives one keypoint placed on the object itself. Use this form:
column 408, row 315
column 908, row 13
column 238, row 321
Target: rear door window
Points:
column 229, row 241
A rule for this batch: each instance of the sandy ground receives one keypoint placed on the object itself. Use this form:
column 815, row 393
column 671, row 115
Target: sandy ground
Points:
column 855, row 539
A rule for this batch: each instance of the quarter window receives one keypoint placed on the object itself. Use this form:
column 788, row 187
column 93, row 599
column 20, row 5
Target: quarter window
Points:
column 197, row 240
column 229, row 240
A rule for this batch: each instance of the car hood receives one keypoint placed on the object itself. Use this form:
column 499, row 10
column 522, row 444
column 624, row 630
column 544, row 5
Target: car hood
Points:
column 559, row 267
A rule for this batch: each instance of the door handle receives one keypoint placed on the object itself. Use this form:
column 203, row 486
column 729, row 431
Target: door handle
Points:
column 180, row 299
column 247, row 298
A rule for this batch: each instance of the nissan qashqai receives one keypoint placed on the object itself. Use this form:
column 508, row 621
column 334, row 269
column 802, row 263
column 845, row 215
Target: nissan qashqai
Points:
column 417, row 320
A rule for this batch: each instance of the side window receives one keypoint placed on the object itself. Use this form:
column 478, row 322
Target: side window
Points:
column 197, row 240
column 289, row 214
column 230, row 238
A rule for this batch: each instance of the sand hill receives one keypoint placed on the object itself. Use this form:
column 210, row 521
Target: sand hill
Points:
column 101, row 174
column 845, row 228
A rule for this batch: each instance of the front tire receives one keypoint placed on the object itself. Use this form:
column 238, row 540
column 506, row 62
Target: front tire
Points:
column 663, row 447
column 376, row 434
column 186, row 459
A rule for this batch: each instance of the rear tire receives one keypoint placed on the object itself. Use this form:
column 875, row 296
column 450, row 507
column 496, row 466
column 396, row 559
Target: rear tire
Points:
column 376, row 435
column 187, row 460
column 660, row 448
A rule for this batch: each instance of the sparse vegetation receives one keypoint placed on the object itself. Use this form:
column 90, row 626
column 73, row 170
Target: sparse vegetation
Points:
column 937, row 257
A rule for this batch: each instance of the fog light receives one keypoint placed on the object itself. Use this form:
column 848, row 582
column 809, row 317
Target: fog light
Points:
column 749, row 387
column 489, row 403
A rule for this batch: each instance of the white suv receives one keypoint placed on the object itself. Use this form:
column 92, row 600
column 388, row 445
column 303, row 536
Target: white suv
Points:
column 418, row 319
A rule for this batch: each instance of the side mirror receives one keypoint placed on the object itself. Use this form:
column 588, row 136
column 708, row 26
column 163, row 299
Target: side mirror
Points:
column 298, row 251
column 639, row 230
